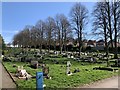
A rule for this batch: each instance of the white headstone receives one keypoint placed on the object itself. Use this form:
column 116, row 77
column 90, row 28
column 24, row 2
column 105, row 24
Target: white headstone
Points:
column 68, row 64
column 2, row 56
column 68, row 56
column 91, row 59
column 72, row 56
column 86, row 54
column 68, row 68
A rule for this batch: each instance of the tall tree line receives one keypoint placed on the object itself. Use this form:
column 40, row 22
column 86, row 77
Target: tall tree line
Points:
column 57, row 31
column 106, row 22
column 54, row 31
column 49, row 33
column 2, row 43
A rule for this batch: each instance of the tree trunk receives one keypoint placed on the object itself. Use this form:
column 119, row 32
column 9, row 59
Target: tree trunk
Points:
column 115, row 37
column 105, row 36
column 110, row 29
column 65, row 41
column 79, row 43
column 40, row 48
column 55, row 45
column 80, row 39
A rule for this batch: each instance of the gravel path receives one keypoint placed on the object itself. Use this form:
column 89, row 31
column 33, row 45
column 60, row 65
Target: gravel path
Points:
column 5, row 80
column 106, row 83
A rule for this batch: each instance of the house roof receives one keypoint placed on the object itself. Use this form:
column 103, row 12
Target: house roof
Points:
column 91, row 42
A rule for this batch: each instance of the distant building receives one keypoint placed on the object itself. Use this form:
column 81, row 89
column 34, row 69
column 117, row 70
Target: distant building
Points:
column 70, row 43
column 91, row 43
column 100, row 45
column 118, row 44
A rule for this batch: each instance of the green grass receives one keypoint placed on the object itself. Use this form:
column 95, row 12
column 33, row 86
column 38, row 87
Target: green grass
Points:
column 57, row 73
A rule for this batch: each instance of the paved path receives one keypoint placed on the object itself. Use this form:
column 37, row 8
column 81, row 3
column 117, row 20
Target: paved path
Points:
column 5, row 80
column 106, row 83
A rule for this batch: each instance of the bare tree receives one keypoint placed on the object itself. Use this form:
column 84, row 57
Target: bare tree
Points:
column 63, row 28
column 100, row 23
column 34, row 37
column 2, row 43
column 40, row 26
column 50, row 27
column 79, row 15
column 15, row 40
column 18, row 39
column 116, row 23
column 108, row 18
column 26, row 35
column 108, row 10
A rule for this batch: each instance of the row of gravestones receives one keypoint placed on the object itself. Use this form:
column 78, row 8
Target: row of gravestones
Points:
column 46, row 69
column 22, row 58
column 85, row 59
column 117, row 63
column 77, row 58
column 90, row 59
column 34, row 65
column 25, row 59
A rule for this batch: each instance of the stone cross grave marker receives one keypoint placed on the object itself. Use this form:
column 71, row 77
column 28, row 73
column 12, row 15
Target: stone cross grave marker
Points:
column 68, row 68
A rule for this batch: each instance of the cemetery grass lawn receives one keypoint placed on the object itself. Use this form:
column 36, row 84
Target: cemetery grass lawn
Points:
column 57, row 73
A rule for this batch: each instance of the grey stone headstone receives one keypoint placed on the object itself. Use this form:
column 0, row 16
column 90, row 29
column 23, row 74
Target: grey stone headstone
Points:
column 45, row 70
column 34, row 64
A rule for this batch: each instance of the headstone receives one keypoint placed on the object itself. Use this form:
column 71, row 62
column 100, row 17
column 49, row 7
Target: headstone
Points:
column 91, row 59
column 76, row 70
column 43, row 65
column 14, row 65
column 68, row 68
column 56, row 62
column 7, row 59
column 34, row 64
column 85, row 54
column 68, row 64
column 46, row 72
column 21, row 67
column 72, row 56
column 68, row 56
column 55, row 52
column 118, row 61
column 2, row 56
